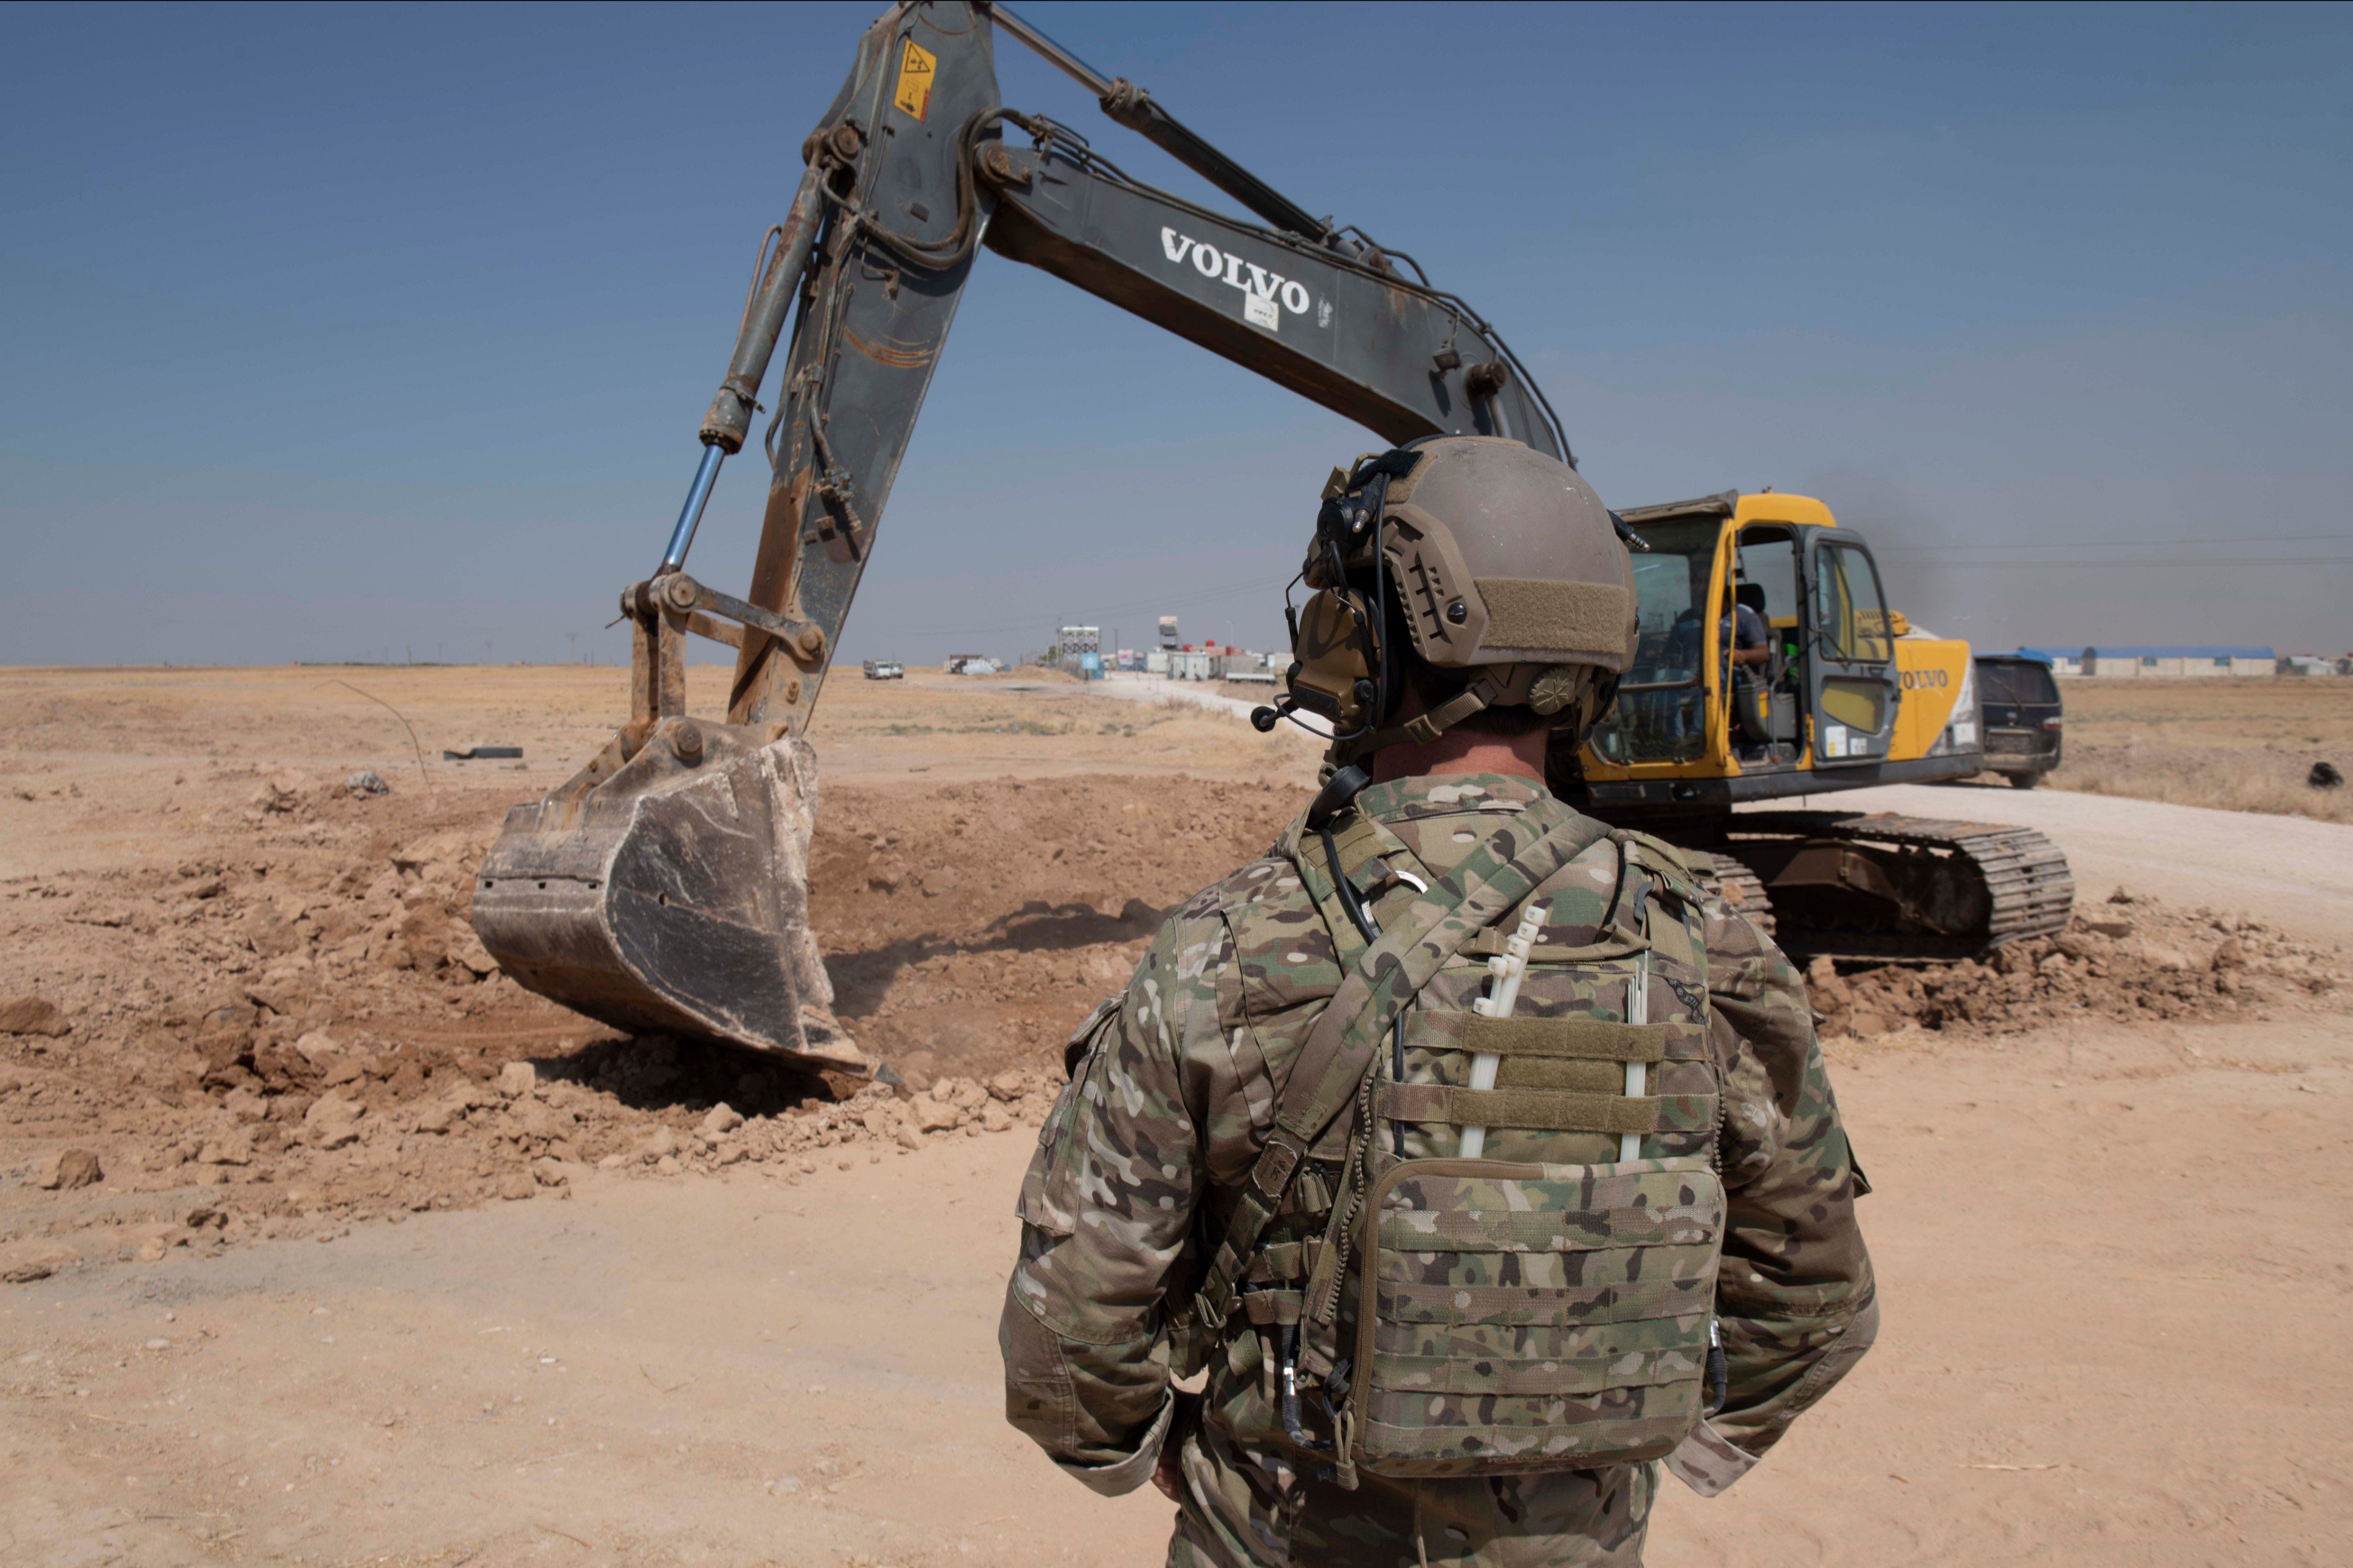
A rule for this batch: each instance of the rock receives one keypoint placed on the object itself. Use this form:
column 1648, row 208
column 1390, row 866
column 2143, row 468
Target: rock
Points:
column 517, row 1079
column 2122, row 897
column 246, row 1105
column 1867, row 1024
column 22, row 1262
column 69, row 1170
column 733, row 1153
column 516, row 1186
column 722, row 1118
column 667, row 1165
column 367, row 781
column 278, row 795
column 995, row 1117
column 228, row 1148
column 343, row 1070
column 2076, row 944
column 931, row 1116
column 880, row 1121
column 467, row 951
column 2114, row 929
column 612, row 1162
column 2231, row 954
column 908, row 1139
column 332, row 1122
column 436, row 1116
column 546, row 1122
column 1007, row 1086
column 31, row 1015
column 318, row 1048
column 660, row 1144
column 2052, row 963
column 549, row 1173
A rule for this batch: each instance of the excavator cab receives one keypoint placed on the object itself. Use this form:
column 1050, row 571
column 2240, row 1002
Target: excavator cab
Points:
column 1849, row 695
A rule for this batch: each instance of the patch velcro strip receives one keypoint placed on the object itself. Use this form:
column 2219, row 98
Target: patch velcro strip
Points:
column 1539, row 1072
column 1510, row 1230
column 1513, row 1305
column 1272, row 1308
column 1574, row 1039
column 1563, row 617
column 1485, row 1449
column 1535, row 1379
column 1536, row 1109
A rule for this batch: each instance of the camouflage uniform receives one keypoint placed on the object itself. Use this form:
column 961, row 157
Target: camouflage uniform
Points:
column 1165, row 1117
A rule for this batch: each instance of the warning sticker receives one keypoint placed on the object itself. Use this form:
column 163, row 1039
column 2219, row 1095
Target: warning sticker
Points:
column 917, row 69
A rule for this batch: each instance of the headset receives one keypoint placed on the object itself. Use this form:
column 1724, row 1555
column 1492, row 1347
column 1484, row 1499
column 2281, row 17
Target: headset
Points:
column 1342, row 668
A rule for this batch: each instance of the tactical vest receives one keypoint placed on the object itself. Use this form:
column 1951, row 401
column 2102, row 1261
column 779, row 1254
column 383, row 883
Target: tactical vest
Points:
column 1547, row 1304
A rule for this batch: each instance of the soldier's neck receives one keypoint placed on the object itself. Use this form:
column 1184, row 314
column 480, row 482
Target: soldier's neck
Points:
column 1463, row 752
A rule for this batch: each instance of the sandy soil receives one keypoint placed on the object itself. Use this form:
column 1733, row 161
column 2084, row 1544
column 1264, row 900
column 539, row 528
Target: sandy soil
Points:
column 2244, row 744
column 772, row 1341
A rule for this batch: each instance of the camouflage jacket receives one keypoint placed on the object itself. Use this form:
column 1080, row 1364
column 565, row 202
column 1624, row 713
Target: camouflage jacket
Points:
column 1166, row 1115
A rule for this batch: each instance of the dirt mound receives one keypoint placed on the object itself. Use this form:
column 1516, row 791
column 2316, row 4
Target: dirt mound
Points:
column 2129, row 958
column 300, row 1028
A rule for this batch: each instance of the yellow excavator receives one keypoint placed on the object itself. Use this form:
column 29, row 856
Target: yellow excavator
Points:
column 663, row 888
column 1843, row 694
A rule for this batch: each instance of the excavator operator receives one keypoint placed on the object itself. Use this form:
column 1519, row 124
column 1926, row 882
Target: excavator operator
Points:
column 1748, row 655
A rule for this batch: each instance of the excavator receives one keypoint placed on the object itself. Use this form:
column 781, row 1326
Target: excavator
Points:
column 663, row 888
column 1849, row 695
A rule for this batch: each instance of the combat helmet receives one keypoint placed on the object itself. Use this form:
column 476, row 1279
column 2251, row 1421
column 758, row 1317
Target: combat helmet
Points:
column 1476, row 557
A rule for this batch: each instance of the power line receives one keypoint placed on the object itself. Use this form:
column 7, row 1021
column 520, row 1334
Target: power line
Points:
column 2112, row 543
column 2206, row 565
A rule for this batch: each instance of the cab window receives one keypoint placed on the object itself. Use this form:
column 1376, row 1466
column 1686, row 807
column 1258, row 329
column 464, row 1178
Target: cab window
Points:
column 1849, row 613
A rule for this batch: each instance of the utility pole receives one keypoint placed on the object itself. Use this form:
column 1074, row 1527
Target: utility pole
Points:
column 576, row 645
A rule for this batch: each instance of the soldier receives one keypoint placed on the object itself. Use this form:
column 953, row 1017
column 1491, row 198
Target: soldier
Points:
column 1478, row 1156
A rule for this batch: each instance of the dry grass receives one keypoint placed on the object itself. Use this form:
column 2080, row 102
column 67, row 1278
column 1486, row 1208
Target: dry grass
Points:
column 2237, row 745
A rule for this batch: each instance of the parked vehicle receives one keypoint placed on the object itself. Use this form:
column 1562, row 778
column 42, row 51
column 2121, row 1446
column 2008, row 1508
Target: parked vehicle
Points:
column 2020, row 702
column 885, row 669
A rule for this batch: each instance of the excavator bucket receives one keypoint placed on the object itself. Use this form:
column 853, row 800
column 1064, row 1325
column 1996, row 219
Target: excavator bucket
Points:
column 664, row 887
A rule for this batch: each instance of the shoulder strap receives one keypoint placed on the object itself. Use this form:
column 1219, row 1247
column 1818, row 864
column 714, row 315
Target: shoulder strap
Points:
column 1362, row 842
column 1518, row 855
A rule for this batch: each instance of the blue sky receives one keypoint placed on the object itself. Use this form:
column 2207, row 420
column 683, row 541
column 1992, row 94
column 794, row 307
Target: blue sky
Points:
column 337, row 332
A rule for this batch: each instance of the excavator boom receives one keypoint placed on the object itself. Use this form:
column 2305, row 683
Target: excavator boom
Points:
column 663, row 888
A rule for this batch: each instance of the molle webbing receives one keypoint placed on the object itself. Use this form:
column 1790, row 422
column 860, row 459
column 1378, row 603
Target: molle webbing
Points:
column 1523, row 852
column 1576, row 1039
column 1536, row 1109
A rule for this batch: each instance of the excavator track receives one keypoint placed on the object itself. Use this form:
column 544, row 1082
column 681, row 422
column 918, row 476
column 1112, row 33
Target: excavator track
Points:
column 1722, row 877
column 1881, row 886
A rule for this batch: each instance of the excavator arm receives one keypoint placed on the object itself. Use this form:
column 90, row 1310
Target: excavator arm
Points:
column 664, row 887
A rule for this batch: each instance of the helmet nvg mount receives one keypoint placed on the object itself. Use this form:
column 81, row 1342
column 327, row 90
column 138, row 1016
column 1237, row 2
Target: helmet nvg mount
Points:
column 1498, row 564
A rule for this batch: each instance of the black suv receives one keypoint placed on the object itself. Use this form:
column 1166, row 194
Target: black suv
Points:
column 2019, row 704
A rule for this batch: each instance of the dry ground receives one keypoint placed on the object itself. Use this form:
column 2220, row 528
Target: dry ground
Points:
column 254, row 1339
column 2237, row 744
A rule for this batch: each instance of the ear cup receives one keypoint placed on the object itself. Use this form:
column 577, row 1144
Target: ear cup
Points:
column 1329, row 673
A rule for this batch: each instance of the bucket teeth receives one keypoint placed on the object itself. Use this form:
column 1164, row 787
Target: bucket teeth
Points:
column 665, row 889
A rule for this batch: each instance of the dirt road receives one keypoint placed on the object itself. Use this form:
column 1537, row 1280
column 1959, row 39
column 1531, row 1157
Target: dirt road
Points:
column 2292, row 870
column 2094, row 1354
